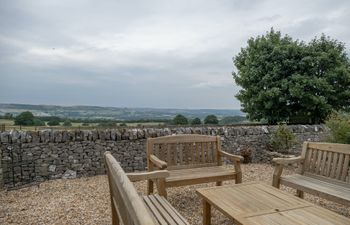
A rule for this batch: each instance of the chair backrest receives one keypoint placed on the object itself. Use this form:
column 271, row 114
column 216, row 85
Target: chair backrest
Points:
column 329, row 160
column 185, row 151
column 127, row 206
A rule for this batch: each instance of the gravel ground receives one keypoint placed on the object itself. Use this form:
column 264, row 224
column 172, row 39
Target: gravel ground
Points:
column 86, row 200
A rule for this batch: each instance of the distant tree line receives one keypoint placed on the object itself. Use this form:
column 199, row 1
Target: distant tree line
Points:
column 210, row 119
column 28, row 119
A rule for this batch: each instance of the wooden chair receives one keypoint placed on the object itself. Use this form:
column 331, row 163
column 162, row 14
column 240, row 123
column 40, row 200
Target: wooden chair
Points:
column 191, row 159
column 324, row 170
column 128, row 208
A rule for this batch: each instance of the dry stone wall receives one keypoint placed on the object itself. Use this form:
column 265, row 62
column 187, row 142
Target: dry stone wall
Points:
column 28, row 156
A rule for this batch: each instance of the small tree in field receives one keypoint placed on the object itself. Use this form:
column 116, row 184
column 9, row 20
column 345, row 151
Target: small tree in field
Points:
column 25, row 119
column 67, row 123
column 54, row 121
column 211, row 119
column 180, row 120
column 196, row 121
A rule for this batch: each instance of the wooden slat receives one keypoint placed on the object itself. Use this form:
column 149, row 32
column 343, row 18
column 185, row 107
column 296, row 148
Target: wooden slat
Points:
column 318, row 162
column 197, row 165
column 314, row 160
column 198, row 175
column 334, row 164
column 345, row 168
column 186, row 152
column 181, row 155
column 209, row 152
column 169, row 155
column 339, row 166
column 329, row 164
column 323, row 163
column 197, row 153
column 162, row 152
column 308, row 160
column 215, row 152
column 203, row 152
column 175, row 150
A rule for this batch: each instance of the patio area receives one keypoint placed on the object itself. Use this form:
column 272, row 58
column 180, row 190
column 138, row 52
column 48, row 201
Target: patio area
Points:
column 86, row 200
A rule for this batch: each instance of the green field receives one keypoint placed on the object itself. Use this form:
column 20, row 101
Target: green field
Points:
column 9, row 124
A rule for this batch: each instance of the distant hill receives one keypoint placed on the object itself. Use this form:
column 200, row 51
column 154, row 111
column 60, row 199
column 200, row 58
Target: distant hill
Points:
column 115, row 113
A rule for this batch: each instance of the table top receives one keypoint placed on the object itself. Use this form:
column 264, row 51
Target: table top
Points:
column 258, row 203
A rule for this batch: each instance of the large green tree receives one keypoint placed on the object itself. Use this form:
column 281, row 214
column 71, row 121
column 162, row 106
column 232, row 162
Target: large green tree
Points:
column 288, row 80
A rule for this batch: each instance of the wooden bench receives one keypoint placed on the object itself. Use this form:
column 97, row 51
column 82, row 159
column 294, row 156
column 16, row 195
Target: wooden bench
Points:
column 128, row 208
column 324, row 170
column 191, row 159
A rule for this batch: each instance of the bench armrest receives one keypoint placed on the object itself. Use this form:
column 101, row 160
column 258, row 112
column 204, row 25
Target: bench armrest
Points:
column 235, row 158
column 280, row 163
column 287, row 161
column 160, row 164
column 158, row 174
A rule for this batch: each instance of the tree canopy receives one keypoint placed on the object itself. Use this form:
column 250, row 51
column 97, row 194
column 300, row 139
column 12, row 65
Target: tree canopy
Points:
column 211, row 119
column 288, row 80
column 25, row 118
column 180, row 120
column 54, row 121
column 196, row 121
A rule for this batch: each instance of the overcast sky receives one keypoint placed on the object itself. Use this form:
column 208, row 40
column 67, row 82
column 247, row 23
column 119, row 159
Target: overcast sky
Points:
column 175, row 54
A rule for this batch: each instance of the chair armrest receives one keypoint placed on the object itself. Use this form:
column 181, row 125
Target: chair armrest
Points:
column 236, row 158
column 158, row 174
column 157, row 162
column 287, row 161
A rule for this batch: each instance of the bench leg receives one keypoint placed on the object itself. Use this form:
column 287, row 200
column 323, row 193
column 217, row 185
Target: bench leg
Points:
column 115, row 218
column 206, row 213
column 300, row 194
column 161, row 188
column 149, row 187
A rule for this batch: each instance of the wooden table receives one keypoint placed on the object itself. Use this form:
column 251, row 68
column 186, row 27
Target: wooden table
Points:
column 258, row 203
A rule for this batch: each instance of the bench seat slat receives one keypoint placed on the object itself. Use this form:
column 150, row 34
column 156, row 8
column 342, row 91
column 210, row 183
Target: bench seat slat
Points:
column 199, row 175
column 321, row 188
column 162, row 211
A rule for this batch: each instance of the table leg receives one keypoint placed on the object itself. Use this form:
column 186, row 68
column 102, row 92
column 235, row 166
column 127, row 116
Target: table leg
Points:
column 206, row 213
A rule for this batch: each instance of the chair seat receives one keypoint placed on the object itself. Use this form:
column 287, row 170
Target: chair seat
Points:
column 162, row 211
column 326, row 188
column 199, row 175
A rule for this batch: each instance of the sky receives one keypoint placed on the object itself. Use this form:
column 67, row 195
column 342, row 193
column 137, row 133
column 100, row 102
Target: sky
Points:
column 162, row 54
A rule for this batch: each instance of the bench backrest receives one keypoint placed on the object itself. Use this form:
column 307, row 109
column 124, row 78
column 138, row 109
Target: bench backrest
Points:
column 328, row 160
column 127, row 206
column 186, row 151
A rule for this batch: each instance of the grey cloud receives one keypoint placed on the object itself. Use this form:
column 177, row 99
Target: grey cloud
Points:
column 143, row 53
